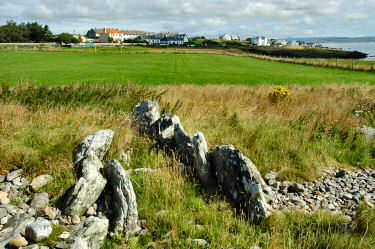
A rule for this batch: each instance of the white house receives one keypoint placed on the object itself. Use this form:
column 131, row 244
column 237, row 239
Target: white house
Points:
column 260, row 41
column 226, row 37
column 281, row 42
column 132, row 34
column 115, row 34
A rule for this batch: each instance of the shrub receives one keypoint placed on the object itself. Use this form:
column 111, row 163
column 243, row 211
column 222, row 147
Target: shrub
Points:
column 278, row 93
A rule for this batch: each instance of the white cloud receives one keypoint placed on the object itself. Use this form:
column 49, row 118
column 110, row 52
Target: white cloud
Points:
column 275, row 17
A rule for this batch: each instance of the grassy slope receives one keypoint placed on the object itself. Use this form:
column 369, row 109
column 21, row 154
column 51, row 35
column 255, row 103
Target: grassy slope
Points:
column 40, row 139
column 63, row 68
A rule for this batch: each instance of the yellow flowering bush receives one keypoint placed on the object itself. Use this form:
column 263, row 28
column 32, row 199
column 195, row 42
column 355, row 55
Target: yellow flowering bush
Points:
column 278, row 93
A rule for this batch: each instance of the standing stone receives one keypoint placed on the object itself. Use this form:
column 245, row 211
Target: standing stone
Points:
column 172, row 136
column 40, row 181
column 124, row 201
column 89, row 234
column 87, row 189
column 97, row 143
column 39, row 230
column 240, row 180
column 144, row 116
column 201, row 164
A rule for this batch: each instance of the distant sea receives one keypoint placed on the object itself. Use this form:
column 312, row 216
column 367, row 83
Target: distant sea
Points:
column 365, row 47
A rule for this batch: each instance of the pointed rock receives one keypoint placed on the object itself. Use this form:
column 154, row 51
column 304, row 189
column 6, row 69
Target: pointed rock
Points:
column 201, row 164
column 144, row 116
column 240, row 180
column 97, row 143
column 124, row 201
column 87, row 189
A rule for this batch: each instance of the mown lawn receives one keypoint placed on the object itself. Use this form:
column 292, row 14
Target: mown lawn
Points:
column 56, row 68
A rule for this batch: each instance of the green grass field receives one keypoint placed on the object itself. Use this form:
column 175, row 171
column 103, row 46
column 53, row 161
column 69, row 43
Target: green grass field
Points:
column 56, row 68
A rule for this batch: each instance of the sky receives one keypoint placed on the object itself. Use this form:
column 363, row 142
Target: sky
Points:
column 247, row 18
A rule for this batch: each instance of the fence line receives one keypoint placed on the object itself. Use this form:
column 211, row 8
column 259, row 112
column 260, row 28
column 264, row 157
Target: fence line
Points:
column 350, row 64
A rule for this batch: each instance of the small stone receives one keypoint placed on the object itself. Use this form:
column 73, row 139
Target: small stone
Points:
column 23, row 206
column 55, row 222
column 48, row 212
column 2, row 178
column 298, row 187
column 13, row 175
column 161, row 213
column 270, row 176
column 39, row 230
column 4, row 201
column 90, row 211
column 254, row 247
column 3, row 212
column 31, row 211
column 4, row 220
column 40, row 200
column 40, row 181
column 61, row 245
column 18, row 241
column 17, row 182
column 64, row 235
column 76, row 219
column 95, row 206
column 199, row 242
column 3, row 194
column 193, row 221
column 100, row 214
column 34, row 246
column 347, row 196
column 341, row 173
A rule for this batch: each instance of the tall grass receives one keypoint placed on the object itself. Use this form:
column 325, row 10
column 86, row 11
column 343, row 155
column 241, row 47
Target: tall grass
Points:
column 41, row 128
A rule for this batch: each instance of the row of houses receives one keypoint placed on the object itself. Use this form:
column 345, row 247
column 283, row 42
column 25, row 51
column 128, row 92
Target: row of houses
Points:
column 228, row 37
column 107, row 34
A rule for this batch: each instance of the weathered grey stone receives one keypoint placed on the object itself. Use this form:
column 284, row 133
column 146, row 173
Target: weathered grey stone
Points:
column 39, row 230
column 270, row 176
column 4, row 201
column 144, row 116
column 199, row 242
column 201, row 164
column 368, row 132
column 89, row 234
column 16, row 225
column 75, row 219
column 34, row 246
column 97, row 143
column 40, row 200
column 40, row 181
column 240, row 180
column 3, row 212
column 13, row 175
column 124, row 201
column 2, row 178
column 172, row 137
column 87, row 189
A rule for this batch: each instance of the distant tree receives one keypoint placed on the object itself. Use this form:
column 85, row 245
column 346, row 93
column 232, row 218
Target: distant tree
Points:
column 11, row 32
column 64, row 38
column 24, row 32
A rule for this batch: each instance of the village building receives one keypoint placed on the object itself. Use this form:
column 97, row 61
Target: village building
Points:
column 109, row 34
column 260, row 41
column 228, row 37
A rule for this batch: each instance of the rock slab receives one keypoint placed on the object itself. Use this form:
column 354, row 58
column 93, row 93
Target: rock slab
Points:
column 144, row 116
column 124, row 201
column 87, row 189
column 240, row 180
column 89, row 234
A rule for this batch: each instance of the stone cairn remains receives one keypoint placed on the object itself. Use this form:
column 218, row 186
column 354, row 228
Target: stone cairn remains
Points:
column 224, row 166
column 92, row 208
